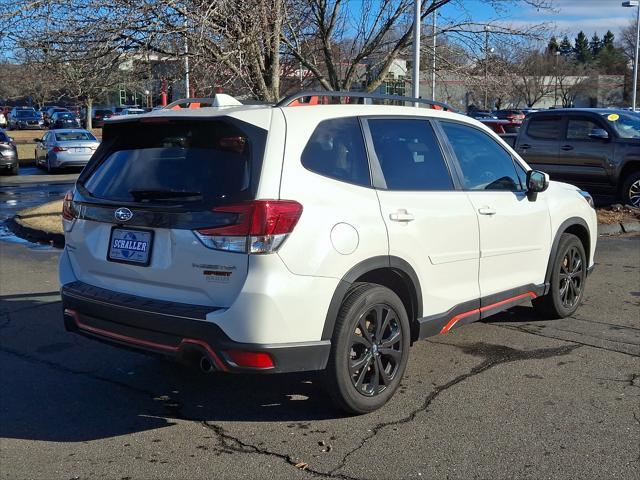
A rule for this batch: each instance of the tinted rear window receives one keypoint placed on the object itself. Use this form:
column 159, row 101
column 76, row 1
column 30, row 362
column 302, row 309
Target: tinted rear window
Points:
column 199, row 163
column 544, row 127
column 66, row 136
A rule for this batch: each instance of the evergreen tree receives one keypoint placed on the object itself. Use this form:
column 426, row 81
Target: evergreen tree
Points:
column 566, row 49
column 581, row 48
column 595, row 45
column 607, row 41
column 552, row 46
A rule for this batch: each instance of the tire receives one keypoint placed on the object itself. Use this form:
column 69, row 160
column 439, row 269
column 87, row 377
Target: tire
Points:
column 15, row 170
column 631, row 189
column 48, row 166
column 567, row 280
column 363, row 372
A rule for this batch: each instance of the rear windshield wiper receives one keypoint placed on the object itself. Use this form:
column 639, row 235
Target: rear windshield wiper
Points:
column 163, row 194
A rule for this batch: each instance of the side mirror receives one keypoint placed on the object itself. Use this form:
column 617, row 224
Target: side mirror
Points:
column 537, row 182
column 600, row 133
column 11, row 139
column 37, row 140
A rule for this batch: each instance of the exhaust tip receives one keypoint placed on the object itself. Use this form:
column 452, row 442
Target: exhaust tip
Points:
column 205, row 365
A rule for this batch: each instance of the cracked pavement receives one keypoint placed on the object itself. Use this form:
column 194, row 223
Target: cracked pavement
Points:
column 511, row 397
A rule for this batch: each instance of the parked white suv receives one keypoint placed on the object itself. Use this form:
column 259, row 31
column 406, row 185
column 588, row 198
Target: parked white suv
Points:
column 326, row 237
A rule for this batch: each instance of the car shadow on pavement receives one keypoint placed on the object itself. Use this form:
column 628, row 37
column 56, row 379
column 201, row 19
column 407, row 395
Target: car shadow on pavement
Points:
column 517, row 314
column 58, row 386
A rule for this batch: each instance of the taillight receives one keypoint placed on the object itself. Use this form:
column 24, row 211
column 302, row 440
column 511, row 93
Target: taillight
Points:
column 68, row 208
column 59, row 149
column 260, row 226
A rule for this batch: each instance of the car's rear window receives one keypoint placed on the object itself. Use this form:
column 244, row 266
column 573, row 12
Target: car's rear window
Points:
column 544, row 127
column 202, row 163
column 67, row 136
column 66, row 115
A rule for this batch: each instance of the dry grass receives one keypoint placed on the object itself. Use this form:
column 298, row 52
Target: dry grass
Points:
column 610, row 216
column 45, row 217
column 26, row 152
column 27, row 136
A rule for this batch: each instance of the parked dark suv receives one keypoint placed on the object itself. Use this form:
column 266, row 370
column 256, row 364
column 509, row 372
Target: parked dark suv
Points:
column 596, row 149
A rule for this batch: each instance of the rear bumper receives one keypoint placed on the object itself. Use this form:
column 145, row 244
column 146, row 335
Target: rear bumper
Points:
column 177, row 330
column 8, row 162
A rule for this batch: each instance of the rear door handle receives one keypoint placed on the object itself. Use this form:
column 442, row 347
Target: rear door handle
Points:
column 486, row 211
column 525, row 146
column 401, row 216
column 566, row 147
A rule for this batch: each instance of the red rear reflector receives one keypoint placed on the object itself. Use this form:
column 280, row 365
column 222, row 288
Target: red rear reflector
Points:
column 59, row 149
column 250, row 359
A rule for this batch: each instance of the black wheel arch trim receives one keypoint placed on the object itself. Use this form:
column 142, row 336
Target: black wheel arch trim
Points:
column 374, row 263
column 556, row 241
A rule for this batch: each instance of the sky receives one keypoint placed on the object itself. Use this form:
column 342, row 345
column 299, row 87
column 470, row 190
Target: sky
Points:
column 567, row 17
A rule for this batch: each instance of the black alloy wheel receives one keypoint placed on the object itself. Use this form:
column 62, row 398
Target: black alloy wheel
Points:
column 567, row 282
column 369, row 348
column 376, row 350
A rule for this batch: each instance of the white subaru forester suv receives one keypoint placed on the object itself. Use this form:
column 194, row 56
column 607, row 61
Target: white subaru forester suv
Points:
column 329, row 237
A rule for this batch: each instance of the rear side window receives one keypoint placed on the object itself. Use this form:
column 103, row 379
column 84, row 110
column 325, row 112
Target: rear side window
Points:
column 336, row 149
column 544, row 127
column 204, row 163
column 484, row 163
column 409, row 155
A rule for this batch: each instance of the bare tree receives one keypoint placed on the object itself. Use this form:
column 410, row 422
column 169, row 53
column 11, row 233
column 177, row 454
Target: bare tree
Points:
column 534, row 77
column 573, row 80
column 332, row 38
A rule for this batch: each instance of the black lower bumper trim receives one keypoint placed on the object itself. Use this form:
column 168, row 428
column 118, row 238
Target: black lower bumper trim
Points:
column 178, row 330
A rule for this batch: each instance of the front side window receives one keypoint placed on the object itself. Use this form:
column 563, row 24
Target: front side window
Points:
column 580, row 128
column 546, row 128
column 409, row 154
column 626, row 125
column 336, row 149
column 484, row 163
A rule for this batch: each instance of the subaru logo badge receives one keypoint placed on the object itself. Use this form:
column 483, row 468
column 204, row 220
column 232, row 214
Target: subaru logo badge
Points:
column 123, row 214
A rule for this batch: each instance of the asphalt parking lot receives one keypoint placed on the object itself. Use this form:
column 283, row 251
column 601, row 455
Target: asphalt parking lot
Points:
column 514, row 397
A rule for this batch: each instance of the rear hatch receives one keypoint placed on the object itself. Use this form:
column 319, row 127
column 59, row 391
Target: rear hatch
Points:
column 151, row 187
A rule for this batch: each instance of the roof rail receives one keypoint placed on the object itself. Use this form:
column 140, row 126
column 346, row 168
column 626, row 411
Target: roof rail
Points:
column 367, row 97
column 220, row 100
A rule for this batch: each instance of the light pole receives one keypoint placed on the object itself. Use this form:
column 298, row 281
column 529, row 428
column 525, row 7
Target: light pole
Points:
column 635, row 3
column 433, row 65
column 555, row 88
column 487, row 29
column 186, row 61
column 416, row 50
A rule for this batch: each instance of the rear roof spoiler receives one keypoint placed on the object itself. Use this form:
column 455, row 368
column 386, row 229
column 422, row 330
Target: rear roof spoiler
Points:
column 220, row 100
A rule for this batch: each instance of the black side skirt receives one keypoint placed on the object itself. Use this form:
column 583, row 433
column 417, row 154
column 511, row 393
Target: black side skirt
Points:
column 474, row 310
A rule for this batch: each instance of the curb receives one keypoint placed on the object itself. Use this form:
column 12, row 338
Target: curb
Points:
column 34, row 234
column 616, row 228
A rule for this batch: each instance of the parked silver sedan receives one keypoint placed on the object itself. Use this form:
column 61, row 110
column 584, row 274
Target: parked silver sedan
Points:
column 71, row 147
